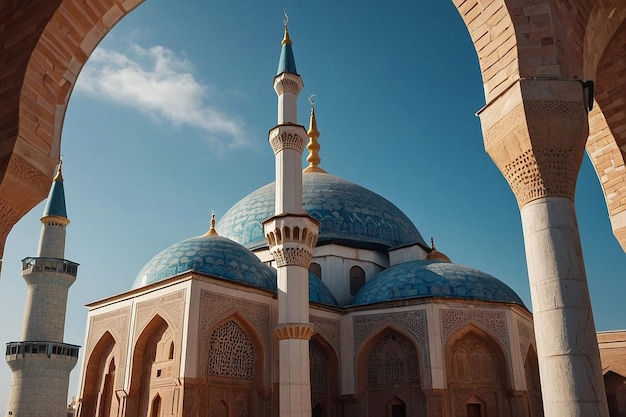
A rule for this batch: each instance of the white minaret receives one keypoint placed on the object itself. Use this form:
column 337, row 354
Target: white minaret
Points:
column 292, row 235
column 41, row 362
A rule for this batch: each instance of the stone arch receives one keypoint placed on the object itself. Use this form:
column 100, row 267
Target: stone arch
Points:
column 235, row 367
column 476, row 366
column 607, row 142
column 533, row 382
column 324, row 370
column 615, row 384
column 388, row 366
column 98, row 384
column 150, row 366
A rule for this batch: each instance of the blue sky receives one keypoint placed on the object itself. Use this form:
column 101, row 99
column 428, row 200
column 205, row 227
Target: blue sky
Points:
column 168, row 122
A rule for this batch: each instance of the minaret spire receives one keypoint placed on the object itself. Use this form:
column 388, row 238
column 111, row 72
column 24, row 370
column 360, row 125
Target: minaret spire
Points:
column 314, row 147
column 41, row 362
column 292, row 235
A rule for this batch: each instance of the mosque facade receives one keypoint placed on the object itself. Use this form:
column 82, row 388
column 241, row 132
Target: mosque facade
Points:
column 375, row 323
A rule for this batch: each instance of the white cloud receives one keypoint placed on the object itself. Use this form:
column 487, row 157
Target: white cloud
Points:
column 157, row 82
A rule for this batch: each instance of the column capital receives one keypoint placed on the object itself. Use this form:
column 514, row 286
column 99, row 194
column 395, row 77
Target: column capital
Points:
column 535, row 132
column 302, row 331
column 288, row 82
column 288, row 136
column 291, row 238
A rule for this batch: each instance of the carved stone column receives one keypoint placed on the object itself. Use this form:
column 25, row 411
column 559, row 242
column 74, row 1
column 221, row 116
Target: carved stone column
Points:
column 535, row 132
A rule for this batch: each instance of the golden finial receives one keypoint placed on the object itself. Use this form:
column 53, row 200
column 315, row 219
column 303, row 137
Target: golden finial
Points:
column 212, row 231
column 434, row 254
column 59, row 175
column 286, row 39
column 313, row 159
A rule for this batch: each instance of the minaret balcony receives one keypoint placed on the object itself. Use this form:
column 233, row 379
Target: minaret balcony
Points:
column 61, row 266
column 16, row 350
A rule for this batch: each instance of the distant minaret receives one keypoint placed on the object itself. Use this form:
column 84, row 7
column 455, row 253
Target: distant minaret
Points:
column 41, row 362
column 292, row 235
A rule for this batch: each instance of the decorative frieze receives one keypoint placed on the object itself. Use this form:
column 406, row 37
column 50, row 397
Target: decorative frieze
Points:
column 287, row 84
column 494, row 321
column 293, row 331
column 287, row 140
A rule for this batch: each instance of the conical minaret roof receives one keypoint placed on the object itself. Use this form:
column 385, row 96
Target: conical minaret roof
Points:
column 287, row 62
column 55, row 206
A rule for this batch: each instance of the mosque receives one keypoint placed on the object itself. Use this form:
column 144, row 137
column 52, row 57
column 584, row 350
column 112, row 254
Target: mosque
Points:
column 347, row 305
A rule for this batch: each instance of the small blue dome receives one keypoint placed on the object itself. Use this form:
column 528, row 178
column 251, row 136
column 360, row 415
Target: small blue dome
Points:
column 429, row 278
column 347, row 212
column 212, row 255
column 319, row 292
column 222, row 258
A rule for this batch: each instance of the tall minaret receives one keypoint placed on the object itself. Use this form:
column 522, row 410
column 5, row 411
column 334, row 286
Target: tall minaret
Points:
column 292, row 235
column 41, row 362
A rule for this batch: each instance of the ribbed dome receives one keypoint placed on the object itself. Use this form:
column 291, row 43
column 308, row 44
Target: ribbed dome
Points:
column 348, row 213
column 212, row 255
column 430, row 278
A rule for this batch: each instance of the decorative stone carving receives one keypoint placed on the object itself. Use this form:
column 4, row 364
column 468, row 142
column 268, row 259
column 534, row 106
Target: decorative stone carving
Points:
column 117, row 323
column 328, row 329
column 293, row 331
column 526, row 337
column 538, row 146
column 494, row 321
column 214, row 307
column 170, row 307
column 287, row 140
column 413, row 322
column 287, row 85
column 28, row 174
column 231, row 352
column 292, row 256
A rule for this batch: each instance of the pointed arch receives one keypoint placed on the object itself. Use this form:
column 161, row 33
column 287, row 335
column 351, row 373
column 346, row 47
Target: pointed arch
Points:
column 533, row 383
column 99, row 380
column 324, row 371
column 150, row 364
column 234, row 366
column 388, row 366
column 477, row 373
column 155, row 406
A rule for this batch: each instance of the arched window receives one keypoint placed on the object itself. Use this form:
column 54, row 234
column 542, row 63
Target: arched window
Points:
column 316, row 269
column 357, row 279
column 156, row 407
column 171, row 354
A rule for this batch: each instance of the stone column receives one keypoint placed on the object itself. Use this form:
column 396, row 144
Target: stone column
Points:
column 535, row 132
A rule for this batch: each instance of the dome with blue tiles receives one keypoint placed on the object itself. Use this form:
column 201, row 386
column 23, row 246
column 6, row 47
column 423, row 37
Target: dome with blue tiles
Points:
column 212, row 255
column 319, row 292
column 348, row 214
column 431, row 278
column 220, row 257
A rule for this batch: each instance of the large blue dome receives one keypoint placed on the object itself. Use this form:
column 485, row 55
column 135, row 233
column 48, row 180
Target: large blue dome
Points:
column 429, row 278
column 347, row 212
column 212, row 255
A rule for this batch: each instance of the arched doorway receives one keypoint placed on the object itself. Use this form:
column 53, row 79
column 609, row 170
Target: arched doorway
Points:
column 390, row 379
column 477, row 375
column 98, row 388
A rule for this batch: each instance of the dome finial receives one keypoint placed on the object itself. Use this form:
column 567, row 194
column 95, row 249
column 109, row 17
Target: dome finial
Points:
column 59, row 175
column 212, row 231
column 286, row 39
column 313, row 159
column 434, row 254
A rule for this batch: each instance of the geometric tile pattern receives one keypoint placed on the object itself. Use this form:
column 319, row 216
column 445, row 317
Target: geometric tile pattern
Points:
column 430, row 278
column 347, row 213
